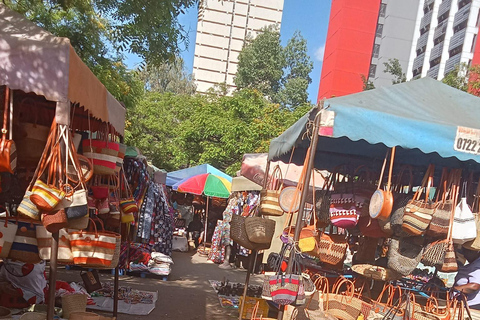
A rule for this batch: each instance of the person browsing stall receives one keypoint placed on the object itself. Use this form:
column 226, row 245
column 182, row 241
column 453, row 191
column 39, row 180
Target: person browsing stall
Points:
column 468, row 278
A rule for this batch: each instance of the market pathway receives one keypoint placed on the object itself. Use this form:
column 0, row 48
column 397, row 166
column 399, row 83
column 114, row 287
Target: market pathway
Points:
column 187, row 295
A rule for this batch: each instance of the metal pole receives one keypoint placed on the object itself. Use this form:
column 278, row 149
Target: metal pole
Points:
column 52, row 277
column 205, row 228
column 115, row 296
column 251, row 257
column 310, row 165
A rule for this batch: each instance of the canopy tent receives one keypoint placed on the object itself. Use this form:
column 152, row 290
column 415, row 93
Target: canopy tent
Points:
column 254, row 164
column 34, row 60
column 243, row 184
column 422, row 118
column 179, row 175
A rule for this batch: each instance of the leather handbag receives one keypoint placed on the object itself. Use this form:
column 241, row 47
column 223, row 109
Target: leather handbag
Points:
column 269, row 205
column 381, row 202
column 8, row 151
column 418, row 213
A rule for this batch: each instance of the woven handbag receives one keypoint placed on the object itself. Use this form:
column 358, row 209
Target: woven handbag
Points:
column 331, row 248
column 404, row 254
column 94, row 249
column 55, row 221
column 450, row 261
column 238, row 233
column 8, row 150
column 418, row 213
column 434, row 254
column 475, row 243
column 25, row 246
column 44, row 239
column 102, row 153
column 464, row 227
column 269, row 205
column 259, row 230
column 438, row 227
column 284, row 288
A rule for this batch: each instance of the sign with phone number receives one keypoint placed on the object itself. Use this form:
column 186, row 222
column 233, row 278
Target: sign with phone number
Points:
column 467, row 140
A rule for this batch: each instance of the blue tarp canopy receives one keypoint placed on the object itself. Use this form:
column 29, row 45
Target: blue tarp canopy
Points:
column 179, row 175
column 420, row 117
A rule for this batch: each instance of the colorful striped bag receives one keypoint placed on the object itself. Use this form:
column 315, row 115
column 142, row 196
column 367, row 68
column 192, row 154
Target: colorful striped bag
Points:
column 94, row 248
column 103, row 154
column 44, row 239
column 25, row 246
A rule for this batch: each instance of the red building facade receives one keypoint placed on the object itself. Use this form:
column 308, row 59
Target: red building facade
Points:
column 348, row 48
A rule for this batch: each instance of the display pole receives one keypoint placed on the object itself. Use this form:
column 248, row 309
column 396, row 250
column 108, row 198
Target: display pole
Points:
column 303, row 197
column 52, row 277
column 205, row 228
column 115, row 297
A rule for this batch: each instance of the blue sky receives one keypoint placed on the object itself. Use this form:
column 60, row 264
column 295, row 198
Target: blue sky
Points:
column 310, row 17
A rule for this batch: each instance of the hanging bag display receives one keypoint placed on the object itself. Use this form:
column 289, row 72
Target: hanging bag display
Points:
column 450, row 261
column 284, row 287
column 8, row 231
column 93, row 248
column 44, row 239
column 238, row 233
column 8, row 151
column 332, row 248
column 269, row 205
column 259, row 230
column 102, row 153
column 464, row 227
column 404, row 254
column 438, row 227
column 381, row 202
column 25, row 246
column 418, row 213
column 128, row 205
column 343, row 206
column 475, row 243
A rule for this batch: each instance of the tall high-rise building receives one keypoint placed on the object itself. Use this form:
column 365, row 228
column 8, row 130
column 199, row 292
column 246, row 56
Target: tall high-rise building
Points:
column 428, row 37
column 222, row 29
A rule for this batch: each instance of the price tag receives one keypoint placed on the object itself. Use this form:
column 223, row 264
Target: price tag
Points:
column 467, row 140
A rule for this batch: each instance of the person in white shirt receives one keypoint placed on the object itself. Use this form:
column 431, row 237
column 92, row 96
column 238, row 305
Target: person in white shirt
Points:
column 468, row 278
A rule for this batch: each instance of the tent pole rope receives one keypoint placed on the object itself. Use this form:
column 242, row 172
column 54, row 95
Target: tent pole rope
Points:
column 303, row 198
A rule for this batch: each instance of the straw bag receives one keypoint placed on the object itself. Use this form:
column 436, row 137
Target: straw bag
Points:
column 76, row 302
column 344, row 305
column 332, row 248
column 102, row 153
column 343, row 204
column 475, row 243
column 44, row 239
column 434, row 253
column 54, row 221
column 404, row 254
column 464, row 227
column 418, row 213
column 269, row 205
column 8, row 151
column 259, row 230
column 238, row 233
column 128, row 205
column 93, row 249
column 387, row 307
column 25, row 246
column 8, row 230
column 438, row 227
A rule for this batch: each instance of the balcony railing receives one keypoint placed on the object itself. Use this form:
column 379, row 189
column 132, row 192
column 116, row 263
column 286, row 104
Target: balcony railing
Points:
column 422, row 41
column 444, row 7
column 436, row 51
column 427, row 3
column 462, row 15
column 457, row 39
column 427, row 18
column 433, row 72
column 452, row 63
column 440, row 29
column 418, row 62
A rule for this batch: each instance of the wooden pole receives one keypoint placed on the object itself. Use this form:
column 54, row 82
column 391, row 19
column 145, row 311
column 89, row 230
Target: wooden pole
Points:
column 303, row 197
column 52, row 277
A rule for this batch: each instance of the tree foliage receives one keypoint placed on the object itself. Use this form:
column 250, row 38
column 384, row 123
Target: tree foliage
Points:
column 178, row 131
column 394, row 67
column 367, row 84
column 168, row 77
column 465, row 78
column 280, row 73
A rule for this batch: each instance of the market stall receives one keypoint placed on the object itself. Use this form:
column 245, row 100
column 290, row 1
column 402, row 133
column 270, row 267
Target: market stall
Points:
column 68, row 129
column 378, row 144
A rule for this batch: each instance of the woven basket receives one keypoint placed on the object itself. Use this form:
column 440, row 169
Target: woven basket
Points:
column 259, row 230
column 34, row 316
column 376, row 272
column 404, row 254
column 73, row 303
column 78, row 223
column 434, row 253
column 238, row 234
column 286, row 199
column 84, row 316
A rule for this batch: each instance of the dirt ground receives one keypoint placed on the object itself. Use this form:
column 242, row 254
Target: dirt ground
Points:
column 187, row 295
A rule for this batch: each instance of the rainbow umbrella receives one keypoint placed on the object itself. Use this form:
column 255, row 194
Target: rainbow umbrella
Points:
column 207, row 184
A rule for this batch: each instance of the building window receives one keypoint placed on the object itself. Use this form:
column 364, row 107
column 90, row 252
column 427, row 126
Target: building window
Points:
column 383, row 8
column 371, row 72
column 376, row 50
column 474, row 41
column 379, row 30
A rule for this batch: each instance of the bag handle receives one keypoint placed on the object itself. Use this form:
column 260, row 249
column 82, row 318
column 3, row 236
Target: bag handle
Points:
column 398, row 185
column 390, row 169
column 5, row 118
column 426, row 183
column 383, row 171
column 455, row 191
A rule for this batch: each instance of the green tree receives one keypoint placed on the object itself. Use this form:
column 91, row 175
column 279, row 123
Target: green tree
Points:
column 367, row 84
column 168, row 77
column 280, row 73
column 465, row 78
column 261, row 63
column 394, row 67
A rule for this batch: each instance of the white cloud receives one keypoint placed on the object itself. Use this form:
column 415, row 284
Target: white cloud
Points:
column 319, row 53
